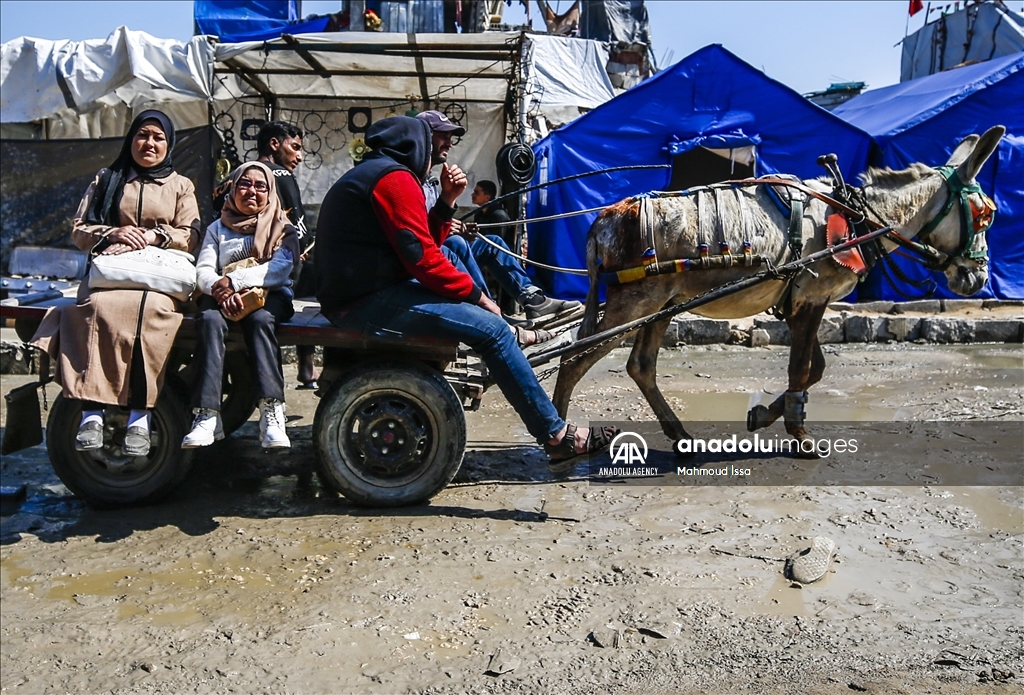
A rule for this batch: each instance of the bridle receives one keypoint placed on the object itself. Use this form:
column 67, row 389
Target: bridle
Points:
column 975, row 221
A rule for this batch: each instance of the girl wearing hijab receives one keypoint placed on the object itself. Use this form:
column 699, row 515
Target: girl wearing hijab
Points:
column 111, row 347
column 252, row 225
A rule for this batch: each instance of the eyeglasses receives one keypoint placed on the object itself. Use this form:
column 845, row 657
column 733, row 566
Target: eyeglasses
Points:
column 260, row 186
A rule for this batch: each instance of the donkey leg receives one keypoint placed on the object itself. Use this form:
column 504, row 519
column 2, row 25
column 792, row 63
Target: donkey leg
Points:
column 643, row 368
column 805, row 351
column 571, row 370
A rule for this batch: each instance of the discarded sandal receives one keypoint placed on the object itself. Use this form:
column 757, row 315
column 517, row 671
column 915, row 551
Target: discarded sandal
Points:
column 564, row 456
column 527, row 338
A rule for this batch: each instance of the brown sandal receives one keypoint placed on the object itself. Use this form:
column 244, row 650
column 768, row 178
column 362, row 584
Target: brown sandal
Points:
column 523, row 336
column 564, row 455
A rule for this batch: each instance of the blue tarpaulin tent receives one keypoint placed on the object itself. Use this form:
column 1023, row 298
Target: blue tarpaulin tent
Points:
column 922, row 120
column 710, row 98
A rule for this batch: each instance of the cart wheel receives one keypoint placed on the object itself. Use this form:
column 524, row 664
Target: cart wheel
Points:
column 107, row 477
column 239, row 397
column 389, row 434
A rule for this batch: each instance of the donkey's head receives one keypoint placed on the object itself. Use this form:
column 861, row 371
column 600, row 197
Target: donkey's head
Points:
column 956, row 217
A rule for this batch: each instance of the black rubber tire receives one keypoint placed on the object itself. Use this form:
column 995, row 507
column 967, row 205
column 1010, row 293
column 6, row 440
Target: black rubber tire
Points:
column 381, row 406
column 239, row 395
column 105, row 478
column 238, row 401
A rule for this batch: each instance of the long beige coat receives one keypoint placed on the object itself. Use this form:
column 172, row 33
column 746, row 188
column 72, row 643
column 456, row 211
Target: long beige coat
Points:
column 92, row 341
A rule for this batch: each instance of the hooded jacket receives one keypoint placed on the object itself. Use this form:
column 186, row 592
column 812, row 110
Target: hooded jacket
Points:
column 374, row 231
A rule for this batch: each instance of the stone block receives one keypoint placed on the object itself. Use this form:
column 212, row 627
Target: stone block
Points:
column 702, row 331
column 924, row 306
column 671, row 337
column 961, row 304
column 994, row 303
column 903, row 328
column 999, row 331
column 778, row 331
column 936, row 329
column 842, row 306
column 759, row 338
column 879, row 307
column 831, row 330
column 866, row 329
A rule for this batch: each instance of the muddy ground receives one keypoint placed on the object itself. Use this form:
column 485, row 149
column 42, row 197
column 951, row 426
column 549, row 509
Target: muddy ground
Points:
column 254, row 579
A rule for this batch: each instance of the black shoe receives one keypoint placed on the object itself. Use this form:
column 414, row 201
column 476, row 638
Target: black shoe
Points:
column 90, row 436
column 551, row 309
column 136, row 442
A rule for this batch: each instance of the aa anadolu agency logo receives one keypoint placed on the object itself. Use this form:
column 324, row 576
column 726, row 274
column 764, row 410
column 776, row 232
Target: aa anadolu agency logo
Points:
column 628, row 453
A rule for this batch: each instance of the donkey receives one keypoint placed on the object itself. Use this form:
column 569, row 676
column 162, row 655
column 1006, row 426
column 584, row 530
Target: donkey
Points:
column 917, row 202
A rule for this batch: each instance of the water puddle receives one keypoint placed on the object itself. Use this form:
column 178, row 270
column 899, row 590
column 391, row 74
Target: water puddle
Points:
column 993, row 514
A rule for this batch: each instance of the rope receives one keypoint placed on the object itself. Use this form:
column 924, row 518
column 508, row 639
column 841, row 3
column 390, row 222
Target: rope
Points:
column 524, row 259
column 560, row 216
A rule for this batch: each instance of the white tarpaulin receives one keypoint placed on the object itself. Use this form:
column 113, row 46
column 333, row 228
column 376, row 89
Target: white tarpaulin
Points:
column 40, row 78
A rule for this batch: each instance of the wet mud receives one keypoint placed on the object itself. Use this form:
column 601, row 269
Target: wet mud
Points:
column 254, row 578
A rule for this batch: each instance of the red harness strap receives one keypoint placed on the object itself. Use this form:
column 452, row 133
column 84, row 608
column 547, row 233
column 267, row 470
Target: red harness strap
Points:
column 838, row 232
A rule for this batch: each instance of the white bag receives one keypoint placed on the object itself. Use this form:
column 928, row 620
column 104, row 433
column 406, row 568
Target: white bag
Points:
column 161, row 270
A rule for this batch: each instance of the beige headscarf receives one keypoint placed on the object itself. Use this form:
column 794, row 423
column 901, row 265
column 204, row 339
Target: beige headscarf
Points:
column 268, row 226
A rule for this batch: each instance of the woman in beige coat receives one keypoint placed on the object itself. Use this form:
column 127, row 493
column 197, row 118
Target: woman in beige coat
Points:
column 111, row 347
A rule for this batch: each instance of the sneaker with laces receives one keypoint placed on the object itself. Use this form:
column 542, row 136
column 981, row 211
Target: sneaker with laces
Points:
column 272, row 427
column 207, row 428
column 548, row 309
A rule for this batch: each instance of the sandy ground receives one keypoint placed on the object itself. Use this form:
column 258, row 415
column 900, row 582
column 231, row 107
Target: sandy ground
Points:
column 255, row 579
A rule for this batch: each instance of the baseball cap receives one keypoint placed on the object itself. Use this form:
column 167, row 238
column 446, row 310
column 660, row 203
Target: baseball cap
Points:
column 438, row 121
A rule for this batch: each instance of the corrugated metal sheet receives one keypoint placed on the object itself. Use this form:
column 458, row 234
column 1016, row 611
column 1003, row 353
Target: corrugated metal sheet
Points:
column 412, row 16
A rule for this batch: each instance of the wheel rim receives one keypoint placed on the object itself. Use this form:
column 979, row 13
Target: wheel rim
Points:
column 387, row 437
column 110, row 466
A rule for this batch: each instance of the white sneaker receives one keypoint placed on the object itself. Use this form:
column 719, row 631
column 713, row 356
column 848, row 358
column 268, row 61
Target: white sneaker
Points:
column 272, row 432
column 206, row 429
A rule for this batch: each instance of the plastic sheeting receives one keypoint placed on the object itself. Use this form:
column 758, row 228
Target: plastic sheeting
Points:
column 230, row 18
column 709, row 93
column 922, row 121
column 979, row 32
column 39, row 77
column 44, row 180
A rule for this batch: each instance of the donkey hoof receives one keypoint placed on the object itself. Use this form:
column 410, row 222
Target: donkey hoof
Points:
column 757, row 417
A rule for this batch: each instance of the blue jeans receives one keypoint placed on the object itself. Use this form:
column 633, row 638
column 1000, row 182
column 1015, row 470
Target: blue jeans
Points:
column 505, row 268
column 411, row 309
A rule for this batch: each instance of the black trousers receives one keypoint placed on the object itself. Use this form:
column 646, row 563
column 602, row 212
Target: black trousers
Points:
column 260, row 340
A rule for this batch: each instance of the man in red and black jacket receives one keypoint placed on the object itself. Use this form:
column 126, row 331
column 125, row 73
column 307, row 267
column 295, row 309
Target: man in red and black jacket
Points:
column 381, row 271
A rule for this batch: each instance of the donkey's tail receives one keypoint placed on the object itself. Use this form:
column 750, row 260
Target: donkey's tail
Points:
column 589, row 325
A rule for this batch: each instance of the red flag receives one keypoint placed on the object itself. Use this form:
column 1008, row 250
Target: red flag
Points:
column 916, row 6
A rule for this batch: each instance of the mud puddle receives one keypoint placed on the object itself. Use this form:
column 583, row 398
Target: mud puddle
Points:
column 254, row 578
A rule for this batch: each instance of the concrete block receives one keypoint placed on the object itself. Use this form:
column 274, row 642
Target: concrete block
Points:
column 879, row 307
column 831, row 330
column 960, row 304
column 924, row 306
column 842, row 306
column 994, row 303
column 999, row 331
column 947, row 330
column 903, row 328
column 671, row 338
column 866, row 329
column 702, row 331
column 778, row 331
column 759, row 338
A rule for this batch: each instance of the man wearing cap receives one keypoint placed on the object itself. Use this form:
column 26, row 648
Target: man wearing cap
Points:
column 539, row 308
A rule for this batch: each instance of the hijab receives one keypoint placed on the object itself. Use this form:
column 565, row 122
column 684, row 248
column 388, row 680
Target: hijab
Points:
column 106, row 201
column 269, row 226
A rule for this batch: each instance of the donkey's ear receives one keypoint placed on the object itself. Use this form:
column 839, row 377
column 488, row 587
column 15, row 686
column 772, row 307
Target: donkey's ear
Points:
column 984, row 149
column 963, row 151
